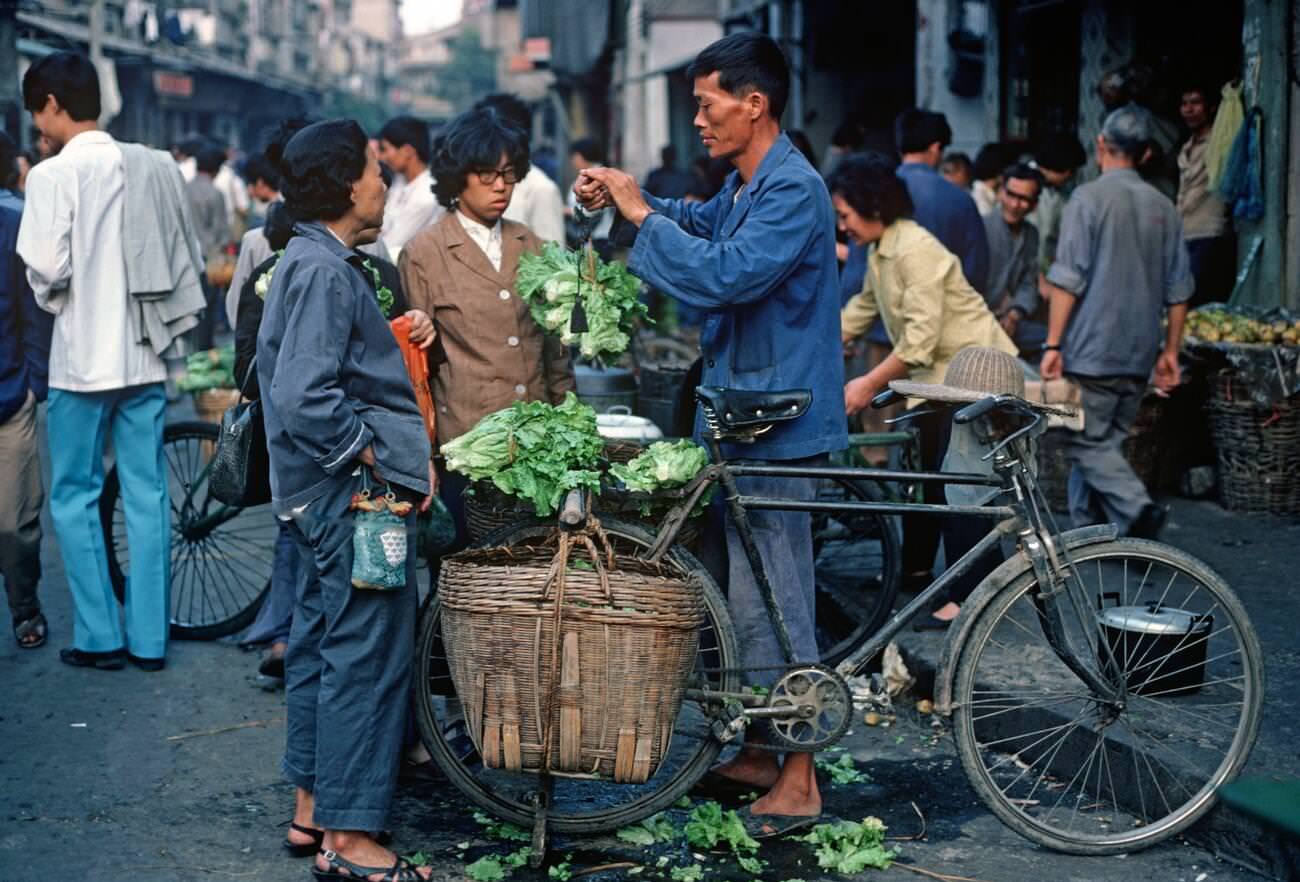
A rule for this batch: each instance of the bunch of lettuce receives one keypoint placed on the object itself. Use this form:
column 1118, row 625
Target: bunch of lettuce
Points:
column 209, row 369
column 533, row 451
column 665, row 465
column 549, row 283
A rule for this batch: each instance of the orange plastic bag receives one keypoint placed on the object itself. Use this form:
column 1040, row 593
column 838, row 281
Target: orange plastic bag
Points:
column 417, row 368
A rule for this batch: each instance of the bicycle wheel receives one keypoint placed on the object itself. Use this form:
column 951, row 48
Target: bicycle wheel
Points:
column 859, row 566
column 577, row 805
column 222, row 557
column 1075, row 773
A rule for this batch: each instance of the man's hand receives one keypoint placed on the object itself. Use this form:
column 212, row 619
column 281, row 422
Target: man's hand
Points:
column 1052, row 365
column 591, row 194
column 433, row 488
column 367, row 455
column 858, row 394
column 421, row 328
column 1010, row 321
column 1168, row 373
column 622, row 188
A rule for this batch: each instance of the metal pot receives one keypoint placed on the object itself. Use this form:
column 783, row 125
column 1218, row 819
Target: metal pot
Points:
column 620, row 425
column 603, row 389
column 1161, row 649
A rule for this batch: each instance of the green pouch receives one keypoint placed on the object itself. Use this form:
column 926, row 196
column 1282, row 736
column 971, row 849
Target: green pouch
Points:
column 436, row 529
column 378, row 539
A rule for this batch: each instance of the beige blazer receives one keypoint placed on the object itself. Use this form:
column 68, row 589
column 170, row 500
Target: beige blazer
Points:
column 488, row 352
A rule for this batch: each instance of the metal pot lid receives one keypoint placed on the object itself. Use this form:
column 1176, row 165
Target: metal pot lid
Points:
column 1152, row 619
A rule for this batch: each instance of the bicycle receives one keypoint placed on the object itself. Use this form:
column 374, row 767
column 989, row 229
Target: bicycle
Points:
column 1075, row 733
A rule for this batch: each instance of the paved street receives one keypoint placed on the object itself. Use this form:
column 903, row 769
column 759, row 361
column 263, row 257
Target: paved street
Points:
column 110, row 777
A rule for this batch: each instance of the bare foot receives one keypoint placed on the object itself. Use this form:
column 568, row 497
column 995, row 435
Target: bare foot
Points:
column 795, row 791
column 757, row 768
column 360, row 849
column 947, row 612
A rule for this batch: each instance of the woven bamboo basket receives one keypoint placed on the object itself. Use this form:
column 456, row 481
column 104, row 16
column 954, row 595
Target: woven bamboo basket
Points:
column 487, row 510
column 1258, row 451
column 573, row 672
column 623, row 451
column 211, row 404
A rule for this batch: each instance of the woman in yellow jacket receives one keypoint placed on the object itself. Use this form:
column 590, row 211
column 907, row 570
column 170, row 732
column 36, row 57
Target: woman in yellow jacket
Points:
column 930, row 312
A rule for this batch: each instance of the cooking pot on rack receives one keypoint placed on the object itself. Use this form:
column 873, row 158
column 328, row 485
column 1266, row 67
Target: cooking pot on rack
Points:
column 1160, row 649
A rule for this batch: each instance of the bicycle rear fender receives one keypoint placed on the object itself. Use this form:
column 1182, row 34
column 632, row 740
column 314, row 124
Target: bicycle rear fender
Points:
column 1010, row 569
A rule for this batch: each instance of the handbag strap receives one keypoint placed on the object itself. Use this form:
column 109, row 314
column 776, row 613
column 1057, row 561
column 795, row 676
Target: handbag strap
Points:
column 243, row 387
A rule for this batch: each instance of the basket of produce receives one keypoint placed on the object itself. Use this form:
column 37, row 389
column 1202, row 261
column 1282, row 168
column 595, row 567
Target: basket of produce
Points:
column 210, row 377
column 655, row 481
column 553, row 281
column 1257, row 449
column 524, row 459
column 567, row 660
column 1254, row 403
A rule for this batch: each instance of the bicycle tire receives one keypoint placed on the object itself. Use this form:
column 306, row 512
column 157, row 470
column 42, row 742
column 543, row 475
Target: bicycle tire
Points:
column 858, row 569
column 1124, row 817
column 236, row 575
column 485, row 788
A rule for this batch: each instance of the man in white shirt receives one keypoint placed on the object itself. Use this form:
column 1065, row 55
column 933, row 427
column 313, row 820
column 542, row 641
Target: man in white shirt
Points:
column 234, row 191
column 587, row 153
column 537, row 202
column 404, row 147
column 102, row 378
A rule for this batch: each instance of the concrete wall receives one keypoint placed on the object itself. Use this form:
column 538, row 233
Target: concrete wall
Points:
column 974, row 121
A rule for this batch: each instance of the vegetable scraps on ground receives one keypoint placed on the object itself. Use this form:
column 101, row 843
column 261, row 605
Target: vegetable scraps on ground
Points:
column 549, row 283
column 209, row 369
column 532, row 450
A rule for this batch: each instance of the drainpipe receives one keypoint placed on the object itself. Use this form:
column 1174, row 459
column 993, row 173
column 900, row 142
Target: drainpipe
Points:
column 796, row 64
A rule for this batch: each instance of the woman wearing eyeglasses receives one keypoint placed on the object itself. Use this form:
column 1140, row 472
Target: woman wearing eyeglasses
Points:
column 488, row 352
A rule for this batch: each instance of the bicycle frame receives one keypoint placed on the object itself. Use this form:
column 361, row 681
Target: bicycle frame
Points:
column 1037, row 539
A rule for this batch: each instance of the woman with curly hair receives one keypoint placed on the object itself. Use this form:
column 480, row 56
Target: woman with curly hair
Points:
column 340, row 415
column 488, row 351
column 930, row 312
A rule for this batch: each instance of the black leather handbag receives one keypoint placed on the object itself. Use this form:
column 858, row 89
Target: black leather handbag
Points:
column 240, row 474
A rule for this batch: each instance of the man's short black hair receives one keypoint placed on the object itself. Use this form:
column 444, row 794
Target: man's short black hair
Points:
column 210, row 159
column 402, row 130
column 589, row 149
column 509, row 106
column 8, row 163
column 1060, row 152
column 473, row 141
column 1023, row 171
column 746, row 61
column 320, row 165
column 70, row 78
column 258, row 168
column 1209, row 94
column 993, row 159
column 955, row 159
column 869, row 184
column 668, row 155
column 915, row 130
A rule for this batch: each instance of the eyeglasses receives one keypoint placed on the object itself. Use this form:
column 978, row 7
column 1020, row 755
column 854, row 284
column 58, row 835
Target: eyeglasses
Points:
column 488, row 176
column 1031, row 201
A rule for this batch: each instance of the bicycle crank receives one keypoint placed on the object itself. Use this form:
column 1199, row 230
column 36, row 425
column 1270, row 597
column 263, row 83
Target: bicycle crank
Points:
column 809, row 709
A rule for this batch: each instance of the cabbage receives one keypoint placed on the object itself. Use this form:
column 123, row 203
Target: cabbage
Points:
column 665, row 465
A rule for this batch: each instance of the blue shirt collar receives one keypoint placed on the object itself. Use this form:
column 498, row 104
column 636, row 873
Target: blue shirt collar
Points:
column 321, row 234
column 772, row 160
column 917, row 166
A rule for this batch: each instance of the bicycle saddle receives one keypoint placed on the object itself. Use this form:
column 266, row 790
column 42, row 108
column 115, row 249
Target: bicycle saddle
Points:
column 738, row 409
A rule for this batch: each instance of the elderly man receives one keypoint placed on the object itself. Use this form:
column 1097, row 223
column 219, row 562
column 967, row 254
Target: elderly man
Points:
column 1120, row 266
column 340, row 415
column 760, row 258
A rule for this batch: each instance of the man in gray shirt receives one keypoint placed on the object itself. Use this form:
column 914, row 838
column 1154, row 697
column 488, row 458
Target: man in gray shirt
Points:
column 1121, row 263
column 212, row 226
column 1013, row 259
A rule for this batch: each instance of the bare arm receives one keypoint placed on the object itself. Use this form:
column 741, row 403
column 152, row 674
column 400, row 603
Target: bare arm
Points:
column 859, row 392
column 1061, row 305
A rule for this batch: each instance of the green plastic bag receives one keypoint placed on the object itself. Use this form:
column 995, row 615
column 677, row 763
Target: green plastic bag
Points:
column 436, row 530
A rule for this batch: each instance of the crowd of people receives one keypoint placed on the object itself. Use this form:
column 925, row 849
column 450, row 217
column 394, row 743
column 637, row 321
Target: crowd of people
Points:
column 333, row 232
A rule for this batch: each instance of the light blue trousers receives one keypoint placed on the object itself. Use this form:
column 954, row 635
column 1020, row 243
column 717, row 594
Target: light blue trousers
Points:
column 79, row 423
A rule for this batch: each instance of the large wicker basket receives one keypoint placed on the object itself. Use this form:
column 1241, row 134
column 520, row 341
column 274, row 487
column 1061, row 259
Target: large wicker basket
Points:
column 211, row 404
column 1258, row 451
column 574, row 672
column 487, row 510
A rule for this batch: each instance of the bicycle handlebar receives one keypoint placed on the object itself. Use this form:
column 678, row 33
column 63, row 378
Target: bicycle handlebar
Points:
column 884, row 399
column 972, row 412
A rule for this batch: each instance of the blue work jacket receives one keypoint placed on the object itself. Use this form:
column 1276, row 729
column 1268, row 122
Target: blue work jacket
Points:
column 25, row 328
column 763, row 267
column 332, row 378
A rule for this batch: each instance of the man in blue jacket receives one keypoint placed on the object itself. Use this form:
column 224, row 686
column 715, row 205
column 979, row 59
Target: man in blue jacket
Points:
column 24, row 373
column 759, row 258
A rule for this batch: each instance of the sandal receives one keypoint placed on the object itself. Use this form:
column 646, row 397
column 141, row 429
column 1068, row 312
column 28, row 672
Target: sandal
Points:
column 32, row 632
column 309, row 849
column 401, row 871
column 761, row 826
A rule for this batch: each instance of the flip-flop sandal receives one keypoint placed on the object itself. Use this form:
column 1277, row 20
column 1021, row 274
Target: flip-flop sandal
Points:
column 36, row 627
column 401, row 871
column 309, row 849
column 762, row 826
column 722, row 788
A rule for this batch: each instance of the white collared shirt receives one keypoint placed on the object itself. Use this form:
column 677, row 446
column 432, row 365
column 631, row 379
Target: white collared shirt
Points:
column 537, row 204
column 486, row 238
column 71, row 241
column 410, row 207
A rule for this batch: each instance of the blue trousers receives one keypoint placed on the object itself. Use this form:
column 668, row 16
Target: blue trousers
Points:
column 347, row 671
column 79, row 423
column 276, row 615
